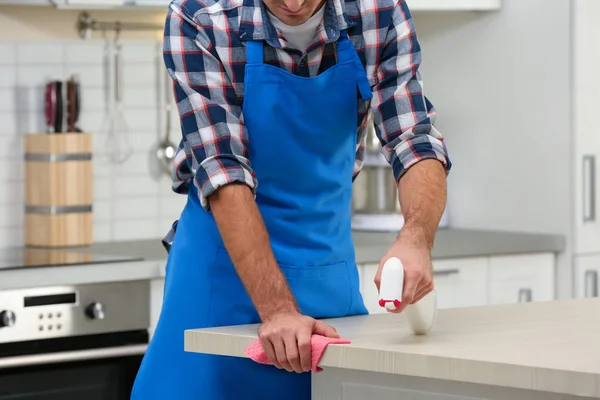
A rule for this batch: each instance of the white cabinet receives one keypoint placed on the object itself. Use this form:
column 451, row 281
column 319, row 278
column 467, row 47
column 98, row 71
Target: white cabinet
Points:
column 460, row 282
column 453, row 5
column 522, row 278
column 587, row 139
column 156, row 300
column 587, row 273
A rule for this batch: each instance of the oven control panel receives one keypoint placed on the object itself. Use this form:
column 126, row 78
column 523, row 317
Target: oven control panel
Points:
column 49, row 312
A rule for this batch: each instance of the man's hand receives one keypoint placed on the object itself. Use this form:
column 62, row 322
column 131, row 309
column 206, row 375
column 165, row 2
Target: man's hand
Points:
column 286, row 340
column 418, row 274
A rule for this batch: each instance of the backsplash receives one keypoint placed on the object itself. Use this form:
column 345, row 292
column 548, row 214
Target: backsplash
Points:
column 132, row 200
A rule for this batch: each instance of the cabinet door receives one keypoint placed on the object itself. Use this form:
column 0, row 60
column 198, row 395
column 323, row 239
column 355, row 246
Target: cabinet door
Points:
column 522, row 278
column 587, row 276
column 156, row 299
column 460, row 282
column 587, row 141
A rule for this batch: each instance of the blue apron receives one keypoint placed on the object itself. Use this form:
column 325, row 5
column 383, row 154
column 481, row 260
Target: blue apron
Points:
column 302, row 148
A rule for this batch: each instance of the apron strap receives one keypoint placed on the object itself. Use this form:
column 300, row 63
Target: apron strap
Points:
column 347, row 53
column 254, row 52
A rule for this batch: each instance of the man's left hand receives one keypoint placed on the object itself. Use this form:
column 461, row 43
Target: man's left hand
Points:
column 418, row 273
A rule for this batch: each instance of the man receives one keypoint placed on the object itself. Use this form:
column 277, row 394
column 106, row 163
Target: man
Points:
column 274, row 97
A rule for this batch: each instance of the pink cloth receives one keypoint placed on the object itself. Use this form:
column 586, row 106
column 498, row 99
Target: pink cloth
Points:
column 318, row 345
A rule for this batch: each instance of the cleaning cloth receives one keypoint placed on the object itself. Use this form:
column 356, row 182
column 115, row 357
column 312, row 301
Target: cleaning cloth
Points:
column 318, row 344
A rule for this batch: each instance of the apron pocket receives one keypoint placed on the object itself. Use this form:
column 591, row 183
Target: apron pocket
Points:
column 323, row 291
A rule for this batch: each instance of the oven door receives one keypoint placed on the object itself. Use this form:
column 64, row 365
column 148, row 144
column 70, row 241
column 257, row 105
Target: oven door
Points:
column 92, row 367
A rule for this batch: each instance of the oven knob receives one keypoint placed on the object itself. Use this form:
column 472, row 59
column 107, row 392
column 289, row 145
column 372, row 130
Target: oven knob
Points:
column 7, row 319
column 95, row 311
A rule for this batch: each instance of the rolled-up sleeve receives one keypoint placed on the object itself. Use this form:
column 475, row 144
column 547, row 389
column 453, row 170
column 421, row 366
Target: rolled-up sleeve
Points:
column 402, row 115
column 214, row 145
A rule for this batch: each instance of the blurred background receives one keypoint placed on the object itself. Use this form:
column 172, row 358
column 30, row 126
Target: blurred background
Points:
column 85, row 197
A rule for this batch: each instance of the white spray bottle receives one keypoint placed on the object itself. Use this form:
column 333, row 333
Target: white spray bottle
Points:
column 421, row 315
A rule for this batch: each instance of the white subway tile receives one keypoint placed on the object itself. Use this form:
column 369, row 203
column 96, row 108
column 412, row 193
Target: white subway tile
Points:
column 11, row 146
column 102, row 210
column 7, row 100
column 136, row 164
column 102, row 166
column 142, row 52
column 89, row 75
column 93, row 121
column 12, row 193
column 136, row 229
column 12, row 237
column 8, row 53
column 11, row 169
column 102, row 231
column 172, row 206
column 141, row 186
column 102, row 188
column 140, row 97
column 141, row 75
column 8, row 123
column 30, row 122
column 142, row 120
column 8, row 75
column 39, row 75
column 93, row 99
column 29, row 99
column 136, row 208
column 40, row 53
column 12, row 215
column 84, row 53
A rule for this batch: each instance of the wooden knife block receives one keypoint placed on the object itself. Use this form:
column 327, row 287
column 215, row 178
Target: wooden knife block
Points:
column 58, row 190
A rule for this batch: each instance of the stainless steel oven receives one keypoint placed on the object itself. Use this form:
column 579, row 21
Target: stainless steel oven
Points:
column 81, row 342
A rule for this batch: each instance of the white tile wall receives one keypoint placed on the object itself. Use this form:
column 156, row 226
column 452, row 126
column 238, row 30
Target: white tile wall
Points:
column 132, row 200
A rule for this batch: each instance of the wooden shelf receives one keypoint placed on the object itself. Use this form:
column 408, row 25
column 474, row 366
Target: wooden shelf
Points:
column 454, row 5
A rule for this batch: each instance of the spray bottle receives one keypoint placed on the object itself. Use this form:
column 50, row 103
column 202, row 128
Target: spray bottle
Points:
column 421, row 315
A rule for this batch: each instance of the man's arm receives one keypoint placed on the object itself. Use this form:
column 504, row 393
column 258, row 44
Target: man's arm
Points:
column 212, row 128
column 416, row 151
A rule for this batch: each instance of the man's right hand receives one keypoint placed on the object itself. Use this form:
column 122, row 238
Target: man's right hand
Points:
column 286, row 340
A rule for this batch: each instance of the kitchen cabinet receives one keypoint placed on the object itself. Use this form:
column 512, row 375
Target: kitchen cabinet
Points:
column 586, row 87
column 156, row 300
column 587, row 276
column 521, row 278
column 459, row 282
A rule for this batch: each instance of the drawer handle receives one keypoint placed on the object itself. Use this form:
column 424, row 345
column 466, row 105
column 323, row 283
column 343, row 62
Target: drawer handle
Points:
column 525, row 295
column 589, row 188
column 446, row 272
column 591, row 283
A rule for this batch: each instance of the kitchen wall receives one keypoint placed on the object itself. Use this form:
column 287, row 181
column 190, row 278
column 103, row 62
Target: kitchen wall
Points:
column 131, row 200
column 501, row 84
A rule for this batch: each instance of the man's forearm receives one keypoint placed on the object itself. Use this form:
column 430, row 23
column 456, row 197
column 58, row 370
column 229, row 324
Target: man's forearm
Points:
column 247, row 241
column 422, row 192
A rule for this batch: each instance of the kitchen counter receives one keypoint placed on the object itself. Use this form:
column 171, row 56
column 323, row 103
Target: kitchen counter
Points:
column 370, row 247
column 544, row 350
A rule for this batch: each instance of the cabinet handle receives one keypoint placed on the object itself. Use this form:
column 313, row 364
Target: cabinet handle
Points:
column 446, row 272
column 525, row 295
column 589, row 188
column 591, row 283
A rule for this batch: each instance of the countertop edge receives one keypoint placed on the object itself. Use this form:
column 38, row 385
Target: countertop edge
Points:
column 425, row 366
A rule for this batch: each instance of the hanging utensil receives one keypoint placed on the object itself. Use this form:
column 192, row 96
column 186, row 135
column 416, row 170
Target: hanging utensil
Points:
column 118, row 146
column 166, row 150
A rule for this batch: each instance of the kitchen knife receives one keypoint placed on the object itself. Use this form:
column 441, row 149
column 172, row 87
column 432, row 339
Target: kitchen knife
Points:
column 50, row 106
column 73, row 104
column 59, row 108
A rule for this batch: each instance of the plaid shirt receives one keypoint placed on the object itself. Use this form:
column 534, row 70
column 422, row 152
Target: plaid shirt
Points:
column 205, row 53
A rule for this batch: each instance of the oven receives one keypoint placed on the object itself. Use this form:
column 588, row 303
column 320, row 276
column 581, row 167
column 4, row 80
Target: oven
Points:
column 82, row 342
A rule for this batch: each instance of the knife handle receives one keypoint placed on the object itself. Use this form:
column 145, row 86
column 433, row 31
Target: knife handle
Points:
column 50, row 106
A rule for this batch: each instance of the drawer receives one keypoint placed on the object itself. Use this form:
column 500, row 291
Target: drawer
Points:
column 460, row 282
column 522, row 278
